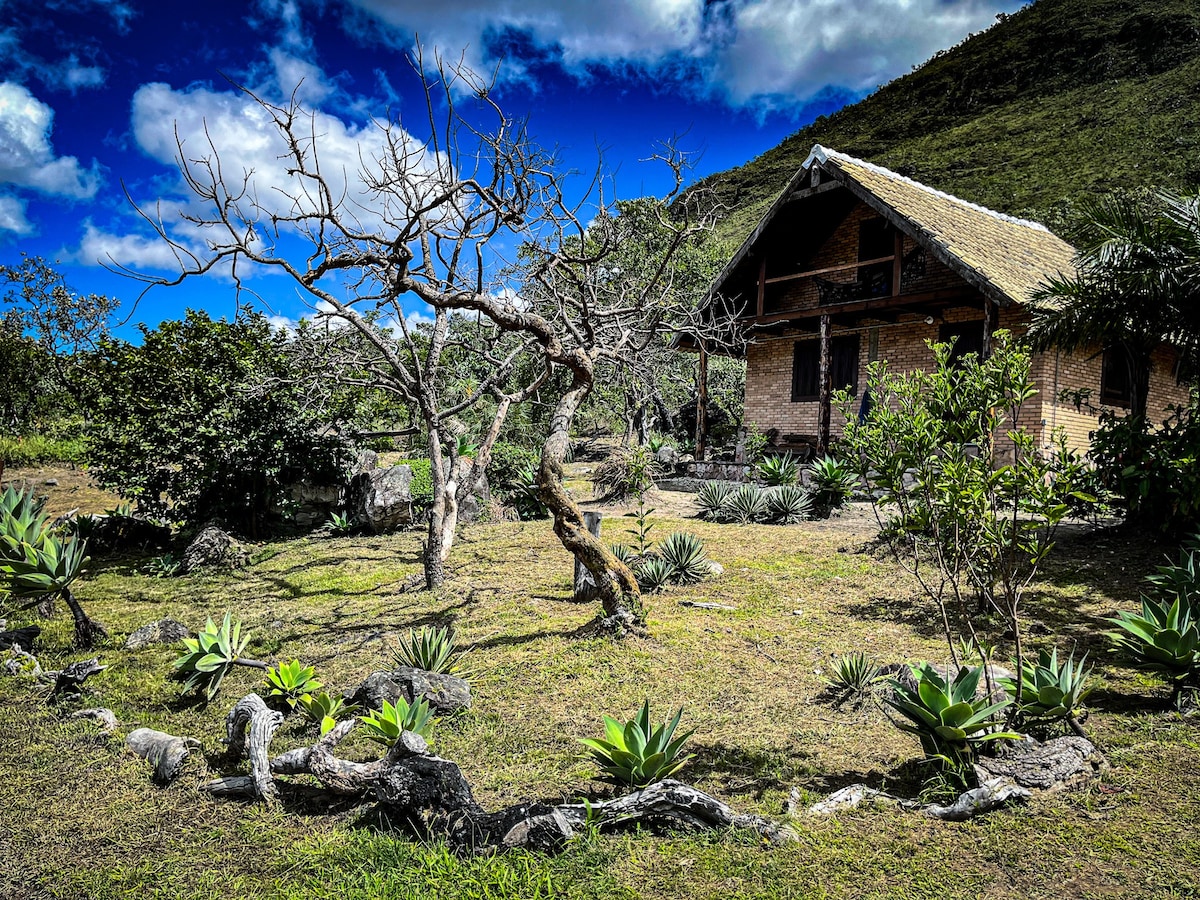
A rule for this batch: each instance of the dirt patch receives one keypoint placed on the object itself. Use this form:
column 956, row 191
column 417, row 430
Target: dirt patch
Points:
column 73, row 488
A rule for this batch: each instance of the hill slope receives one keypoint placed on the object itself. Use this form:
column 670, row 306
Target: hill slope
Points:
column 1059, row 100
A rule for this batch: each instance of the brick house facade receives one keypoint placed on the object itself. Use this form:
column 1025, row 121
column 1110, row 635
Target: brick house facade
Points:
column 855, row 263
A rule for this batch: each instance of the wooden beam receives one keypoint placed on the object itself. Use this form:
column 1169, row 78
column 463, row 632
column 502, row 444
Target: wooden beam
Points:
column 762, row 284
column 702, row 403
column 830, row 269
column 897, row 260
column 945, row 296
column 818, row 189
column 987, row 328
column 824, row 392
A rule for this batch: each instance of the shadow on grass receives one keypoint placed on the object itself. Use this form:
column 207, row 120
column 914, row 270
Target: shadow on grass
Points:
column 747, row 772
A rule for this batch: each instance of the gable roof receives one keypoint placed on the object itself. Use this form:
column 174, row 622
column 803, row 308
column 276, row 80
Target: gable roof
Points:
column 1004, row 257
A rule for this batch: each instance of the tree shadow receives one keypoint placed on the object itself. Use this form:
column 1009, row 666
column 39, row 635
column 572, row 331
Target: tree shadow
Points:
column 747, row 772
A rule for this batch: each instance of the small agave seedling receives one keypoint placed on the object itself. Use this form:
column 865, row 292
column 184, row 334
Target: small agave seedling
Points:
column 291, row 681
column 431, row 649
column 1049, row 691
column 211, row 654
column 324, row 709
column 386, row 725
column 635, row 752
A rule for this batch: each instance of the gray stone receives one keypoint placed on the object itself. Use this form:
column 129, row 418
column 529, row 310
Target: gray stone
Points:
column 214, row 549
column 474, row 496
column 445, row 694
column 51, row 482
column 381, row 500
column 1060, row 764
column 667, row 456
column 164, row 631
column 364, row 461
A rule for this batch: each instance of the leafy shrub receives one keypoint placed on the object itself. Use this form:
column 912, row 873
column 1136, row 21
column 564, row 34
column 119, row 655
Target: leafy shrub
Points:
column 385, row 726
column 626, row 472
column 747, row 504
column 653, row 574
column 1050, row 691
column 712, row 497
column 521, row 493
column 832, row 483
column 789, row 503
column 324, row 709
column 211, row 654
column 949, row 720
column 1180, row 579
column 779, row 470
column 431, row 649
column 684, row 553
column 421, row 487
column 508, row 461
column 35, row 449
column 635, row 753
column 1153, row 472
column 291, row 681
column 168, row 565
column 855, row 675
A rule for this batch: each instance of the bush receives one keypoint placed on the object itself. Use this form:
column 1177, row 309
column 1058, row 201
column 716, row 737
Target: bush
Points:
column 508, row 462
column 1153, row 473
column 684, row 553
column 430, row 649
column 35, row 449
column 627, row 472
column 385, row 726
column 421, row 488
column 789, row 503
column 747, row 504
column 832, row 484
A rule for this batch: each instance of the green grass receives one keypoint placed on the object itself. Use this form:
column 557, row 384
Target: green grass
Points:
column 81, row 818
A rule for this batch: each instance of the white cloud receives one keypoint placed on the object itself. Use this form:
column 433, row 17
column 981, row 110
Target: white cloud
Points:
column 780, row 52
column 26, row 157
column 100, row 247
column 12, row 216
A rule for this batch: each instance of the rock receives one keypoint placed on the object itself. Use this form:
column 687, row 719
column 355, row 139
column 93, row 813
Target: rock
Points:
column 19, row 637
column 364, row 461
column 214, row 549
column 474, row 496
column 445, row 694
column 381, row 500
column 51, row 482
column 1060, row 764
column 667, row 456
column 102, row 717
column 21, row 662
column 687, row 458
column 164, row 631
column 991, row 794
column 715, row 568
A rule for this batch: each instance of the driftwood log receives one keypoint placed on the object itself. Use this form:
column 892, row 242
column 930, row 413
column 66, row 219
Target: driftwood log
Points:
column 70, row 680
column 165, row 752
column 20, row 637
column 432, row 795
column 586, row 590
column 249, row 728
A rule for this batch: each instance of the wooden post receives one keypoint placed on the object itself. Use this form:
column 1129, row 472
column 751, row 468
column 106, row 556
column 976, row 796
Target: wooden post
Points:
column 824, row 388
column 897, row 263
column 585, row 588
column 762, row 285
column 987, row 328
column 702, row 403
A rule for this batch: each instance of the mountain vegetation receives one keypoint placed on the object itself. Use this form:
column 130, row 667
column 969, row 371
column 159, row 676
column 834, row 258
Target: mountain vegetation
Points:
column 1061, row 100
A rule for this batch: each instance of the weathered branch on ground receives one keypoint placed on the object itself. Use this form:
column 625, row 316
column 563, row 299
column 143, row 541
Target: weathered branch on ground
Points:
column 102, row 717
column 249, row 728
column 70, row 680
column 20, row 637
column 433, row 795
column 165, row 752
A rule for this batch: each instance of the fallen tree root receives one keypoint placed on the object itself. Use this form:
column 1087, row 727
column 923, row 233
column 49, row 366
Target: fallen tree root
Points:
column 249, row 728
column 165, row 752
column 432, row 794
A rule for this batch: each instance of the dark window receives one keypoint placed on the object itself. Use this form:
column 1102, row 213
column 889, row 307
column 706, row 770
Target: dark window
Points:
column 967, row 337
column 876, row 238
column 806, row 367
column 1116, row 388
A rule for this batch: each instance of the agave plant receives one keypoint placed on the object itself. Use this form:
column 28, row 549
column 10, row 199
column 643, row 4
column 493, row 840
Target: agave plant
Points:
column 1049, row 691
column 324, row 709
column 211, row 654
column 635, row 752
column 949, row 720
column 855, row 675
column 832, row 483
column 712, row 497
column 789, row 503
column 653, row 574
column 624, row 553
column 386, row 725
column 166, row 566
column 684, row 553
column 1181, row 579
column 431, row 649
column 340, row 525
column 291, row 681
column 779, row 470
column 1163, row 639
column 747, row 504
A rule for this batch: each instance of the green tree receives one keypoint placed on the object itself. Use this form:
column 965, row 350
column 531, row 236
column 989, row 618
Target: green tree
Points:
column 211, row 419
column 1136, row 285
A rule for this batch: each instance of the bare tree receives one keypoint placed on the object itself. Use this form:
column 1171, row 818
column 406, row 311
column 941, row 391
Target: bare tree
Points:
column 432, row 222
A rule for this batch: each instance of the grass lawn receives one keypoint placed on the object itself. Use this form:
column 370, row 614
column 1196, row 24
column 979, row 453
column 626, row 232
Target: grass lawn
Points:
column 81, row 819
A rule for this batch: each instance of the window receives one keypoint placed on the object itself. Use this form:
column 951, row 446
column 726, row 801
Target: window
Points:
column 876, row 238
column 967, row 337
column 806, row 367
column 1116, row 387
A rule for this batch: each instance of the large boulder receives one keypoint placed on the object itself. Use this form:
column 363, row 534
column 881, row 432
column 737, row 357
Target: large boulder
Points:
column 445, row 694
column 214, row 549
column 164, row 631
column 474, row 497
column 381, row 499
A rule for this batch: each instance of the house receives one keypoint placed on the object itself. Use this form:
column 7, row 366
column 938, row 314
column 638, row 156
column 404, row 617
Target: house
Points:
column 854, row 263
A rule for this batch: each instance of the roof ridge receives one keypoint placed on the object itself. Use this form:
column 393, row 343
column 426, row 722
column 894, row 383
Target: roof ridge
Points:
column 823, row 153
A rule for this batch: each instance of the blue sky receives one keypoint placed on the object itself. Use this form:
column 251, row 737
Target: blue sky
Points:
column 93, row 92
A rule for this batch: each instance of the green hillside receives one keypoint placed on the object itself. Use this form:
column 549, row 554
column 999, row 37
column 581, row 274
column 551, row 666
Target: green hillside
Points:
column 1061, row 99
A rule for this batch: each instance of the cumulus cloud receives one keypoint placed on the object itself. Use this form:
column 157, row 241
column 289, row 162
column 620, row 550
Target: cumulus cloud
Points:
column 26, row 157
column 12, row 216
column 100, row 247
column 749, row 51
